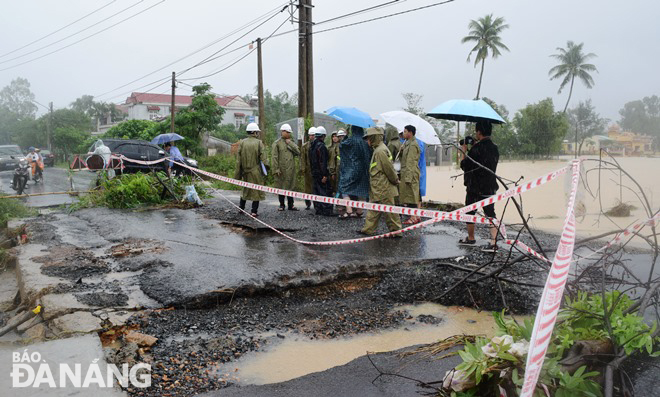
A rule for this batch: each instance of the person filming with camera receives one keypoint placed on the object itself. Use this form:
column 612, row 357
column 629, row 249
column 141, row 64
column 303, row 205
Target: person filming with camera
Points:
column 480, row 183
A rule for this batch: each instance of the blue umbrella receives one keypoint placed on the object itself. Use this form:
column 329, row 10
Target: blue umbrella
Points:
column 164, row 138
column 466, row 110
column 351, row 116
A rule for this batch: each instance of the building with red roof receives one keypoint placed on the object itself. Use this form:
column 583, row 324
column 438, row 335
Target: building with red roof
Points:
column 149, row 106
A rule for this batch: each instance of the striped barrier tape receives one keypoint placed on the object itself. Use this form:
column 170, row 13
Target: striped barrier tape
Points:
column 546, row 315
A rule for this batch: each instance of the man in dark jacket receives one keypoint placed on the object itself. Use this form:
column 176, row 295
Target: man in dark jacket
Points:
column 480, row 182
column 318, row 159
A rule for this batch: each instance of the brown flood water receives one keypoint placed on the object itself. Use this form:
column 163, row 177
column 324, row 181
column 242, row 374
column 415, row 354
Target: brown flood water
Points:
column 296, row 355
column 547, row 204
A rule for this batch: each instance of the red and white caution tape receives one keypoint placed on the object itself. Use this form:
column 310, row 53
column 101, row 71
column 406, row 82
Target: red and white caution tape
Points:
column 546, row 315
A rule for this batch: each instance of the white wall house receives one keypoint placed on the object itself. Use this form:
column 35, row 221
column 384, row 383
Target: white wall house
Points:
column 148, row 106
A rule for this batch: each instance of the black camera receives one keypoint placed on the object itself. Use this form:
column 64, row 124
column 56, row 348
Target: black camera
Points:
column 467, row 141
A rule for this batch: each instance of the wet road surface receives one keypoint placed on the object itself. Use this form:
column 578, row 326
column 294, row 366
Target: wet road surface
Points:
column 55, row 180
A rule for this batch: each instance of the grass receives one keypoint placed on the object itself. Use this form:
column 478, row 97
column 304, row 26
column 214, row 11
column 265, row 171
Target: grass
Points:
column 11, row 209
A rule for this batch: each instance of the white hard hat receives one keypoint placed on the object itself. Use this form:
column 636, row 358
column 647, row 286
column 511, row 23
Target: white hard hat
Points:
column 286, row 127
column 252, row 127
column 320, row 130
column 341, row 132
column 312, row 131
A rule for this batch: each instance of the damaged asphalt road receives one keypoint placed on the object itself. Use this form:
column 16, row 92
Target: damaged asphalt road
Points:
column 211, row 284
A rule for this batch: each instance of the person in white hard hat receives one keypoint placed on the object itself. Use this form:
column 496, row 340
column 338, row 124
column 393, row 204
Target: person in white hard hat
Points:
column 318, row 156
column 250, row 167
column 304, row 165
column 283, row 165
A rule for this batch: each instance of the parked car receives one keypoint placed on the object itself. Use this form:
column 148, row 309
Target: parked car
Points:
column 137, row 149
column 49, row 158
column 6, row 151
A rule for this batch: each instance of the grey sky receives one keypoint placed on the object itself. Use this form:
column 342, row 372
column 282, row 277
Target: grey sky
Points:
column 367, row 66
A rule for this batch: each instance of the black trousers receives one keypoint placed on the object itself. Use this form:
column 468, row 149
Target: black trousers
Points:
column 255, row 205
column 289, row 201
column 322, row 189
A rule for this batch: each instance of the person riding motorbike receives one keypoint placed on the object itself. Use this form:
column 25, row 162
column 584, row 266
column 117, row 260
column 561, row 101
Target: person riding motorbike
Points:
column 36, row 161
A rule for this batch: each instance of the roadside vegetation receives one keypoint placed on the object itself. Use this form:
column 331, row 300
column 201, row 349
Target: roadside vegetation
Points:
column 138, row 190
column 11, row 209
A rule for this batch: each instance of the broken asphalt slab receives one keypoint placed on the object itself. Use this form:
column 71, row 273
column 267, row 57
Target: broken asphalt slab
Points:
column 150, row 258
column 83, row 350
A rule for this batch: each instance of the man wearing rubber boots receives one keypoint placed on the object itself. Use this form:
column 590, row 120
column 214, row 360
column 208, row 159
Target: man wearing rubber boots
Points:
column 410, row 173
column 249, row 167
column 283, row 165
column 382, row 184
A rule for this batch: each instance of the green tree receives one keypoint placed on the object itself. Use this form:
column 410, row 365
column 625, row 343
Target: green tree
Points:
column 504, row 135
column 133, row 129
column 572, row 64
column 97, row 111
column 485, row 32
column 539, row 129
column 68, row 140
column 18, row 98
column 202, row 117
column 642, row 116
column 585, row 122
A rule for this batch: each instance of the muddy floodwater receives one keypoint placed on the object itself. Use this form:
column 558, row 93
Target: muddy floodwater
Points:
column 547, row 204
column 297, row 355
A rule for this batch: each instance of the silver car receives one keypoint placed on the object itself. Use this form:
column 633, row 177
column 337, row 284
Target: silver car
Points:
column 6, row 153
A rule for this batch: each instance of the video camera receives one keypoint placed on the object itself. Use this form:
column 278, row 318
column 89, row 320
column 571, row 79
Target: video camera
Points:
column 467, row 141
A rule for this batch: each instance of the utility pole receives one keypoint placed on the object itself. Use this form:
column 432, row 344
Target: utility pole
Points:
column 310, row 60
column 172, row 105
column 302, row 62
column 260, row 93
column 49, row 125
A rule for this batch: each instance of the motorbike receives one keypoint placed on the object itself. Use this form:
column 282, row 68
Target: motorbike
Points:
column 21, row 176
column 38, row 175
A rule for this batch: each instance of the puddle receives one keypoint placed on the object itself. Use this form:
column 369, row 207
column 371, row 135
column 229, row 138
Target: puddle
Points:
column 296, row 356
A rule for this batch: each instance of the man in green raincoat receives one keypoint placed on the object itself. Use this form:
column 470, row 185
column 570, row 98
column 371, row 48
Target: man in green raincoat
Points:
column 283, row 165
column 305, row 167
column 409, row 188
column 382, row 183
column 333, row 161
column 250, row 167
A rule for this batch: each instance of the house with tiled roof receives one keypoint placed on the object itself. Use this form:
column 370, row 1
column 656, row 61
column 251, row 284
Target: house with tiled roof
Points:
column 148, row 106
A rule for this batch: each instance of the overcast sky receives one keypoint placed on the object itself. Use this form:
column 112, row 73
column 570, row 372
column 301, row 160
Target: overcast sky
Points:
column 367, row 66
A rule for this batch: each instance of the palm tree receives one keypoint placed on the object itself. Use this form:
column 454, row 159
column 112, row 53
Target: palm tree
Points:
column 486, row 33
column 572, row 65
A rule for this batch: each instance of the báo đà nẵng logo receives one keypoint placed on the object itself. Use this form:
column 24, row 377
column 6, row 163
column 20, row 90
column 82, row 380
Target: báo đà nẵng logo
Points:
column 29, row 369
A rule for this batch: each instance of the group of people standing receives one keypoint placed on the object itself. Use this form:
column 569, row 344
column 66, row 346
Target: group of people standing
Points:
column 356, row 165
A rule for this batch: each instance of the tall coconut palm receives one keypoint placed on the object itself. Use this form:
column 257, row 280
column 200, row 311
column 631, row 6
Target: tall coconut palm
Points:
column 572, row 65
column 485, row 32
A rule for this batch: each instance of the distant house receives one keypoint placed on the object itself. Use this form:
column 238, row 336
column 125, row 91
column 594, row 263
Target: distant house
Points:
column 148, row 106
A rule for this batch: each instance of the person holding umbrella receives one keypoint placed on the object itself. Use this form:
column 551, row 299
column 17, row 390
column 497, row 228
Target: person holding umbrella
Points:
column 354, row 181
column 250, row 167
column 480, row 183
column 175, row 155
column 283, row 165
column 409, row 189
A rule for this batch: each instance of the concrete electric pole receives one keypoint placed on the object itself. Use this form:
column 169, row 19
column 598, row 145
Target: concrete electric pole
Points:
column 260, row 92
column 172, row 105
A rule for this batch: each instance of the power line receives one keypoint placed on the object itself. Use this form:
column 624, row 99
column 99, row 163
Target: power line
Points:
column 58, row 30
column 194, row 52
column 239, row 59
column 384, row 16
column 273, row 35
column 84, row 38
column 72, row 34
